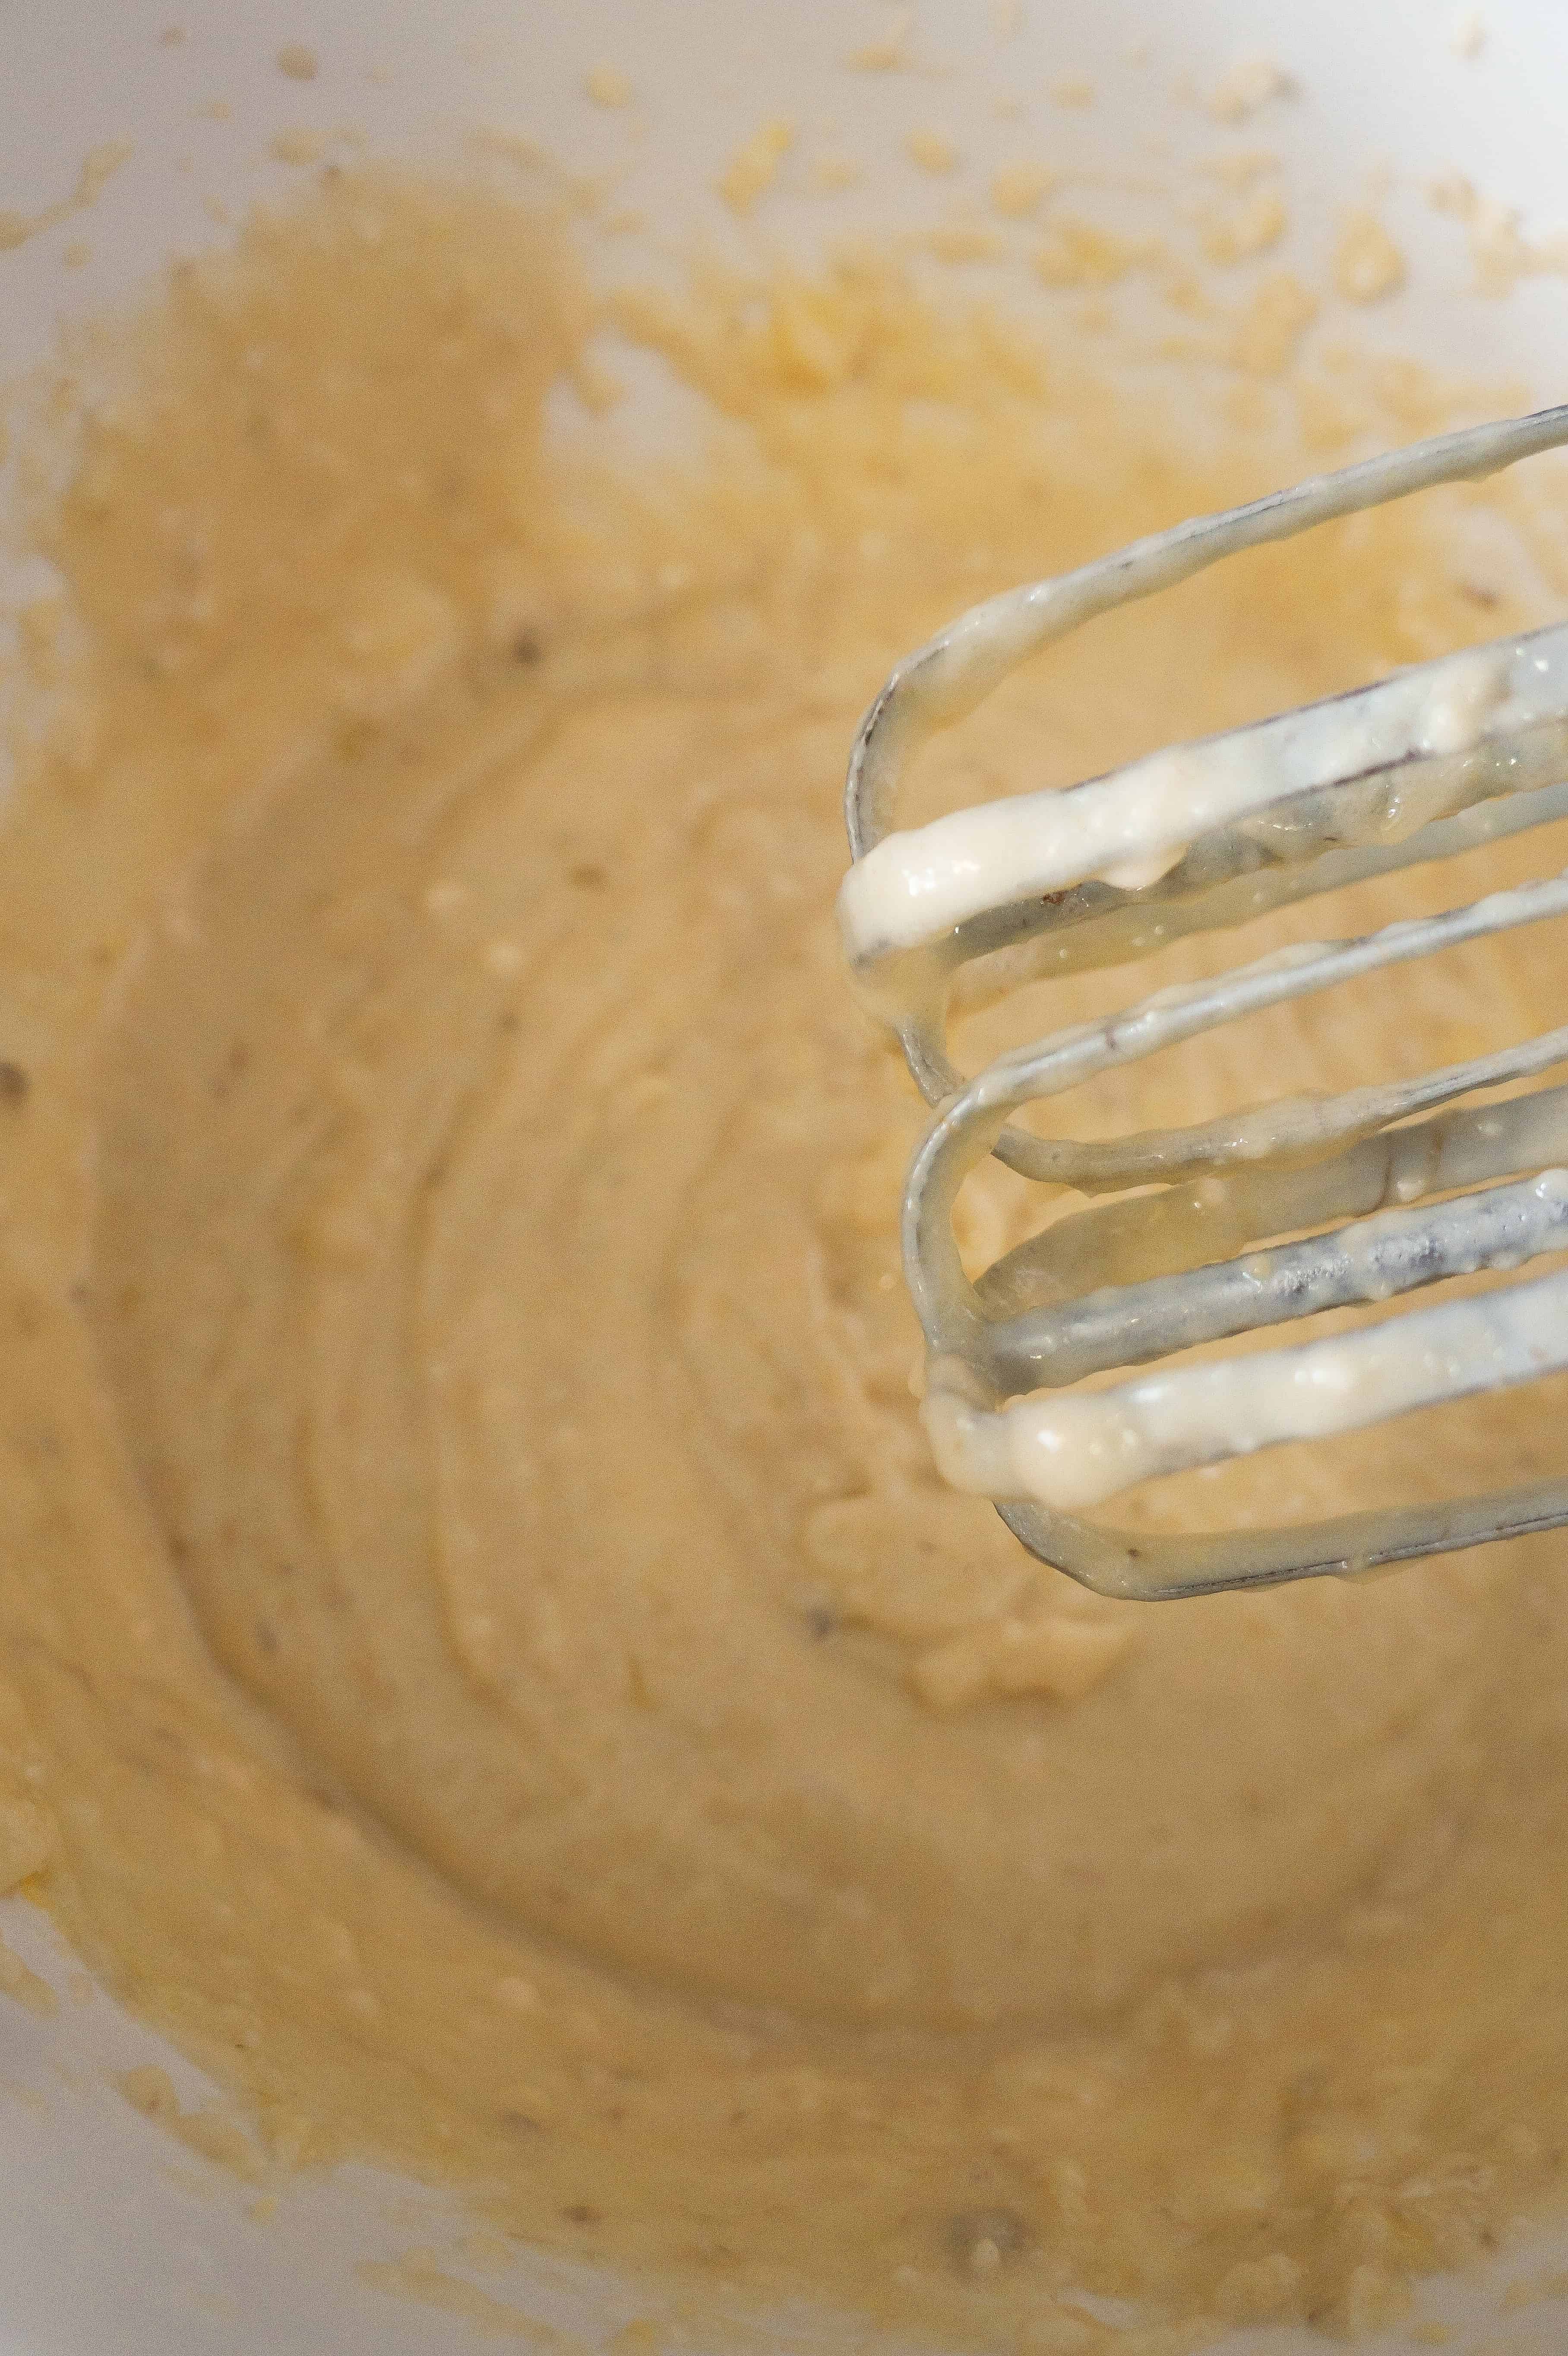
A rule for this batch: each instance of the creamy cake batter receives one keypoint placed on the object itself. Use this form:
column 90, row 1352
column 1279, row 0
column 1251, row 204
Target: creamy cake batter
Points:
column 486, row 1658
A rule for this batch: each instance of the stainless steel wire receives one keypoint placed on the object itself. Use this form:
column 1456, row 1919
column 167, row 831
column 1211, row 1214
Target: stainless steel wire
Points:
column 1441, row 759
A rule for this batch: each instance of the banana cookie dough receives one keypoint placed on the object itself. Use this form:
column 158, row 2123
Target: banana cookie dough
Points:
column 485, row 1660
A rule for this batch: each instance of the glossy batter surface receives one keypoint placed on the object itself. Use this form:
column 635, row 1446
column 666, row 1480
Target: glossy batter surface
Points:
column 485, row 1654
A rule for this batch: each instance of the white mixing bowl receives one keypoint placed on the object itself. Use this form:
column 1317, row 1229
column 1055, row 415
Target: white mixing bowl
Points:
column 105, row 2241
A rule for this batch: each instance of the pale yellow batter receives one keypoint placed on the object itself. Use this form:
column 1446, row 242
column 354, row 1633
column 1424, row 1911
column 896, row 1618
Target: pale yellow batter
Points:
column 484, row 1656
